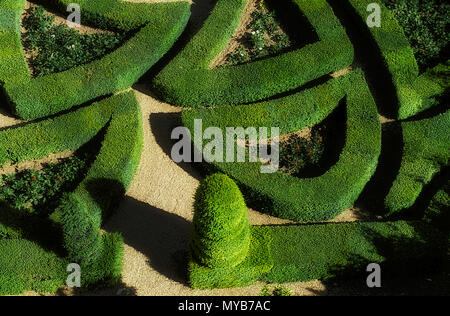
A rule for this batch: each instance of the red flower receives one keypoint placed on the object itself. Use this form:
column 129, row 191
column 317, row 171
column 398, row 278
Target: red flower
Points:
column 59, row 179
column 295, row 162
column 297, row 148
column 310, row 153
column 34, row 178
column 283, row 146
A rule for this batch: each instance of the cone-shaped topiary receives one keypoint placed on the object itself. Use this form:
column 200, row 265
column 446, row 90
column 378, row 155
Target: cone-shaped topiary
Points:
column 221, row 234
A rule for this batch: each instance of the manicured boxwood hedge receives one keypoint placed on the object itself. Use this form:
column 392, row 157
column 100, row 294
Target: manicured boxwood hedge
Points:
column 326, row 196
column 159, row 25
column 81, row 212
column 188, row 80
column 290, row 113
column 323, row 251
column 224, row 251
column 413, row 91
column 426, row 150
column 12, row 63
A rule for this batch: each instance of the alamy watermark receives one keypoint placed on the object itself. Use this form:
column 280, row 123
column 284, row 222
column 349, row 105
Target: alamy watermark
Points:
column 74, row 278
column 374, row 18
column 237, row 145
column 374, row 278
column 74, row 18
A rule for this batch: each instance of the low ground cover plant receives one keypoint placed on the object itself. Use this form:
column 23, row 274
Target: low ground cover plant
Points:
column 55, row 48
column 39, row 191
column 264, row 37
column 299, row 153
column 426, row 25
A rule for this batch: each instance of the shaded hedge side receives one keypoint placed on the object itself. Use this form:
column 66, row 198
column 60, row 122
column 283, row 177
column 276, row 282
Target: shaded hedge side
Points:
column 413, row 91
column 81, row 212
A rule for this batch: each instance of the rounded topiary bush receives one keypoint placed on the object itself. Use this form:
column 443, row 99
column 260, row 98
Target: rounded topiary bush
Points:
column 221, row 234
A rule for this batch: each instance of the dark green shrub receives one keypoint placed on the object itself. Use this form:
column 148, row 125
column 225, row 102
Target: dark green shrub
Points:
column 332, row 250
column 426, row 25
column 40, row 191
column 82, row 212
column 55, row 48
column 82, row 240
column 221, row 235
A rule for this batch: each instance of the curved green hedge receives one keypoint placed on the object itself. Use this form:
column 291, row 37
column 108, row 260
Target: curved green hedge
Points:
column 188, row 80
column 12, row 63
column 159, row 25
column 414, row 93
column 81, row 212
column 426, row 150
column 324, row 197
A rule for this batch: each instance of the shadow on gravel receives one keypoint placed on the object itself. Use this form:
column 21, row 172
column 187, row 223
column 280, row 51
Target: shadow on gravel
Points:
column 162, row 125
column 161, row 236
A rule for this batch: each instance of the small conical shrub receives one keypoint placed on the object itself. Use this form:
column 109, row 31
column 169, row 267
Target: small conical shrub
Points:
column 221, row 234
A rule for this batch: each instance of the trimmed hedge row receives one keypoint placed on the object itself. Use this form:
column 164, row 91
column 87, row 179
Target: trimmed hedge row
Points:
column 42, row 96
column 290, row 113
column 25, row 266
column 12, row 61
column 324, row 251
column 413, row 91
column 62, row 133
column 323, row 197
column 82, row 212
column 426, row 150
column 188, row 80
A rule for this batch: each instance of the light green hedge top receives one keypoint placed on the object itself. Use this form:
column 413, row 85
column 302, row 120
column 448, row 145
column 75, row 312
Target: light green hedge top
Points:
column 188, row 80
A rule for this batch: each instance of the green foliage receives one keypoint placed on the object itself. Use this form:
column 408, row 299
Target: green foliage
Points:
column 425, row 24
column 426, row 150
column 27, row 266
column 256, row 264
column 437, row 211
column 66, row 132
column 298, row 153
column 413, row 91
column 277, row 291
column 81, row 212
column 188, row 80
column 12, row 61
column 221, row 235
column 40, row 191
column 156, row 29
column 322, row 197
column 56, row 48
column 263, row 39
column 324, row 251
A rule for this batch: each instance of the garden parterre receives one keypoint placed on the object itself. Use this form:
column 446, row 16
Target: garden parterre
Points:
column 292, row 91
